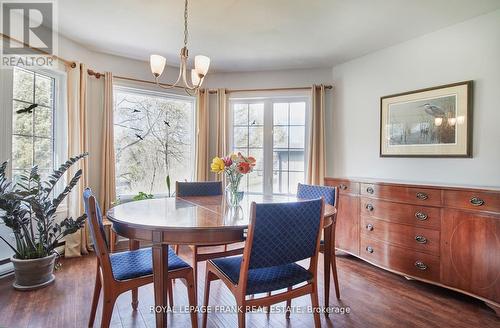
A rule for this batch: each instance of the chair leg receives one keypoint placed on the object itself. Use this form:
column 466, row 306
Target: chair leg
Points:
column 192, row 300
column 170, row 293
column 95, row 298
column 315, row 305
column 268, row 307
column 135, row 301
column 335, row 277
column 241, row 318
column 195, row 271
column 176, row 249
column 225, row 248
column 209, row 276
column 107, row 309
column 288, row 305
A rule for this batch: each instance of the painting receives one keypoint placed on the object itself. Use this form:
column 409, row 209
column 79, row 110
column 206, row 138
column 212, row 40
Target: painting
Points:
column 433, row 122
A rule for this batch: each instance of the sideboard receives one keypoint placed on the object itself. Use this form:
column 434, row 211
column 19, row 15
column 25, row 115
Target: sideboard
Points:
column 447, row 236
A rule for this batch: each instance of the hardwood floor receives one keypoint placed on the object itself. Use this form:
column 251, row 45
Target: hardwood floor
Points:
column 376, row 298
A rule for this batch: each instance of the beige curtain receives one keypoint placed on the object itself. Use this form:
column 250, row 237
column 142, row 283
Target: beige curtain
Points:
column 222, row 130
column 202, row 135
column 107, row 170
column 79, row 242
column 316, row 161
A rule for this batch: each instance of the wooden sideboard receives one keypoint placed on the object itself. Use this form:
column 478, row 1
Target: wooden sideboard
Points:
column 441, row 235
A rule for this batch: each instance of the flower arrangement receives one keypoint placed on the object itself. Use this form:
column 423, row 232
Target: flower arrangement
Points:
column 234, row 167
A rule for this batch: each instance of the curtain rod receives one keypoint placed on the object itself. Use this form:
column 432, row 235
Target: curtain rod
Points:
column 72, row 64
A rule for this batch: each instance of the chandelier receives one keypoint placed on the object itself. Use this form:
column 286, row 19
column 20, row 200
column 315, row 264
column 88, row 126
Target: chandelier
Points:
column 198, row 73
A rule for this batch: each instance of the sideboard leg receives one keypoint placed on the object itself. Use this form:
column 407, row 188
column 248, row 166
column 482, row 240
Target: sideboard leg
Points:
column 495, row 308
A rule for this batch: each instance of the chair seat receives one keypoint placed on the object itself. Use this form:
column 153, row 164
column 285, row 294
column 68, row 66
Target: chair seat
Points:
column 263, row 280
column 139, row 263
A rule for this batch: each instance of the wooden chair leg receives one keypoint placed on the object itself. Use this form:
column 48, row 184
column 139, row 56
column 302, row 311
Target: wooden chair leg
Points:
column 112, row 240
column 335, row 277
column 107, row 309
column 208, row 279
column 176, row 249
column 135, row 301
column 192, row 300
column 315, row 305
column 225, row 248
column 288, row 305
column 95, row 298
column 195, row 271
column 241, row 317
column 170, row 293
column 268, row 307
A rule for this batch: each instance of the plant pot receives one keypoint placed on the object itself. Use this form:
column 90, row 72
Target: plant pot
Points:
column 35, row 273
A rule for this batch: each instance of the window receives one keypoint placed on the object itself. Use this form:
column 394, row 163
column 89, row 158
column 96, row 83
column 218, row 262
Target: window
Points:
column 154, row 138
column 273, row 130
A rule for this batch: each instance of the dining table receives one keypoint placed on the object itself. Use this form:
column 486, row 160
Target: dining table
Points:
column 201, row 221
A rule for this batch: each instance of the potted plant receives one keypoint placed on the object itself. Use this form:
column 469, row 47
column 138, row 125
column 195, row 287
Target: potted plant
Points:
column 29, row 207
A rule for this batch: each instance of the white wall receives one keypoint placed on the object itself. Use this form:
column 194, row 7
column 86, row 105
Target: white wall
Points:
column 466, row 51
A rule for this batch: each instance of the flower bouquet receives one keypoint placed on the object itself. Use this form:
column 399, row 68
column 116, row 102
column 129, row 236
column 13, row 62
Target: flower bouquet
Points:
column 234, row 166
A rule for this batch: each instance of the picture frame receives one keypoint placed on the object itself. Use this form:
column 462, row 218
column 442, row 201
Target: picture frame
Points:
column 431, row 122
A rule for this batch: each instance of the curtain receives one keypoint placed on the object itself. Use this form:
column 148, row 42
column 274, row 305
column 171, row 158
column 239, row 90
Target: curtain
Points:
column 316, row 157
column 202, row 135
column 107, row 170
column 79, row 242
column 222, row 130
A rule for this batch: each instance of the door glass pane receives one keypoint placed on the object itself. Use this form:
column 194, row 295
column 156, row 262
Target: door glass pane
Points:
column 256, row 114
column 240, row 114
column 22, row 152
column 280, row 137
column 240, row 137
column 43, row 154
column 297, row 137
column 255, row 181
column 256, row 136
column 296, row 160
column 280, row 113
column 295, row 178
column 43, row 90
column 23, row 85
column 22, row 123
column 280, row 160
column 43, row 119
column 258, row 154
column 280, row 182
column 298, row 113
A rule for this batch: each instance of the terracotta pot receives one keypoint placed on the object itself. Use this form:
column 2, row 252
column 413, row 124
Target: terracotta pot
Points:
column 35, row 273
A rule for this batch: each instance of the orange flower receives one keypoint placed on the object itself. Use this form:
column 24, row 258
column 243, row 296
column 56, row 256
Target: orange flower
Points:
column 243, row 167
column 251, row 160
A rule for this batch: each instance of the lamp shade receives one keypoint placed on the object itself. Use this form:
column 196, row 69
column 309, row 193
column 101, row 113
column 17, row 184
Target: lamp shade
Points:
column 195, row 78
column 157, row 63
column 201, row 64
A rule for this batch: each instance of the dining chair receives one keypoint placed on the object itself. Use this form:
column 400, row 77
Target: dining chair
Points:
column 201, row 189
column 279, row 235
column 331, row 196
column 124, row 271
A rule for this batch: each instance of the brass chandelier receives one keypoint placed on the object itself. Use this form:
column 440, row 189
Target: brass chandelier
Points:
column 198, row 73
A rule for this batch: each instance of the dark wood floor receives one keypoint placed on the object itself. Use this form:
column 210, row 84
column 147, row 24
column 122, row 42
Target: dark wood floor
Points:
column 376, row 298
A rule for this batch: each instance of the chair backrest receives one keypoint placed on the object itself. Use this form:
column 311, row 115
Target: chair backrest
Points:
column 330, row 194
column 191, row 189
column 94, row 220
column 283, row 233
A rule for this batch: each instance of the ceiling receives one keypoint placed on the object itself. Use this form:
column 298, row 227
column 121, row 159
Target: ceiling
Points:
column 244, row 35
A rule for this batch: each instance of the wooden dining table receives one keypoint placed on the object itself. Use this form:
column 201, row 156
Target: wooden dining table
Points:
column 202, row 221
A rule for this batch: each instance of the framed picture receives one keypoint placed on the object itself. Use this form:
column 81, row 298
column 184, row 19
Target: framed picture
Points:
column 433, row 122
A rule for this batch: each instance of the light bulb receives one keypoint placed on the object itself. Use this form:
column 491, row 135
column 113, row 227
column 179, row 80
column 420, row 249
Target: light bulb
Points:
column 195, row 78
column 438, row 121
column 201, row 64
column 157, row 63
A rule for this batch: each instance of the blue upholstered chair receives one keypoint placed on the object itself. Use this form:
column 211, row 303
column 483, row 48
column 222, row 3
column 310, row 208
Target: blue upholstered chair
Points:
column 331, row 196
column 279, row 235
column 124, row 271
column 202, row 189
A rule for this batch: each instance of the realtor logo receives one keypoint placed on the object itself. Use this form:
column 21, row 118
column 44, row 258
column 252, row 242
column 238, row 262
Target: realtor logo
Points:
column 28, row 33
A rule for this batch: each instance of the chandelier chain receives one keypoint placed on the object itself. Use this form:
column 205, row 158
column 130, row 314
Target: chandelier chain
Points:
column 186, row 23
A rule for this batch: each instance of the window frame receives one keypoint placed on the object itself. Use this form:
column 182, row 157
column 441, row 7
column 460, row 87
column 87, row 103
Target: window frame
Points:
column 268, row 101
column 145, row 91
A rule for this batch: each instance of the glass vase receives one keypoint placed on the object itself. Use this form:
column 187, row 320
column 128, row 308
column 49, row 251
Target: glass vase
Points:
column 233, row 195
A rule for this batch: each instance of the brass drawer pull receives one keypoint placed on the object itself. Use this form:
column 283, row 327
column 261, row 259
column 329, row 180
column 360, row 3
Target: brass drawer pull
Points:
column 369, row 249
column 369, row 207
column 369, row 227
column 421, row 265
column 421, row 216
column 421, row 239
column 370, row 190
column 476, row 201
column 342, row 186
column 422, row 195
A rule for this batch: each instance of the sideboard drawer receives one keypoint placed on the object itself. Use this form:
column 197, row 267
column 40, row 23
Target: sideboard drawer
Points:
column 469, row 199
column 422, row 216
column 410, row 195
column 344, row 186
column 419, row 239
column 405, row 261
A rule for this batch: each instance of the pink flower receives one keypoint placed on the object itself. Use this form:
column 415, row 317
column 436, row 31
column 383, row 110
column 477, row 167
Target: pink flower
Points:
column 227, row 161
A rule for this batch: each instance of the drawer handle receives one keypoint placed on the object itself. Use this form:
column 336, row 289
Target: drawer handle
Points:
column 369, row 227
column 369, row 207
column 422, row 195
column 421, row 265
column 421, row 216
column 369, row 249
column 342, row 186
column 421, row 239
column 476, row 201
column 370, row 190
